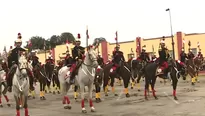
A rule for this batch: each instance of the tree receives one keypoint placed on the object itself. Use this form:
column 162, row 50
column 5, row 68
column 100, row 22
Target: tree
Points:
column 66, row 35
column 98, row 40
column 55, row 40
column 37, row 42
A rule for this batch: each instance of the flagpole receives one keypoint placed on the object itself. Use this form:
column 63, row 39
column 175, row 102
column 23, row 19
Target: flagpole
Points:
column 86, row 36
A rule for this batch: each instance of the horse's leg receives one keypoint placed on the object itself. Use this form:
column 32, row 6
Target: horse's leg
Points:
column 90, row 90
column 192, row 79
column 4, row 93
column 54, row 85
column 105, row 83
column 147, row 82
column 126, row 80
column 17, row 105
column 120, row 81
column 26, row 104
column 75, row 92
column 66, row 100
column 112, row 84
column 174, row 82
column 1, row 95
column 41, row 90
column 58, row 86
column 82, row 86
column 152, row 86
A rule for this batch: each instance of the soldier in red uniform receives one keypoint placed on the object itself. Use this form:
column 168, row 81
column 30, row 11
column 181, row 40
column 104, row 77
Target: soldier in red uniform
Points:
column 78, row 56
column 117, row 58
column 163, row 58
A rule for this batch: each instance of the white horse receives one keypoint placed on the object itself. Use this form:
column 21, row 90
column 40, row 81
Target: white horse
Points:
column 3, row 83
column 21, row 85
column 84, row 77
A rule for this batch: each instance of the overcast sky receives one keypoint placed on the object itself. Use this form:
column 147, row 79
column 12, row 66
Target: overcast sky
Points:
column 131, row 18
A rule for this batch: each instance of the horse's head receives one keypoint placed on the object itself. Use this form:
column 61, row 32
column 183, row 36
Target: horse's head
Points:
column 99, row 75
column 91, row 58
column 23, row 65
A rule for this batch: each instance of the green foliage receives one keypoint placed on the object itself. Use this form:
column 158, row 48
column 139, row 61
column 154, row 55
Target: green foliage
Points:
column 38, row 42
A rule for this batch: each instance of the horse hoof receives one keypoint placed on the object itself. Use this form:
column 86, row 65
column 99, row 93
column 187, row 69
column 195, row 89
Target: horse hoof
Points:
column 84, row 111
column 116, row 94
column 146, row 98
column 156, row 98
column 92, row 109
column 192, row 83
column 44, row 98
column 127, row 95
column 1, row 106
column 34, row 97
column 67, row 107
column 9, row 105
column 54, row 92
column 50, row 92
column 175, row 98
column 106, row 94
column 59, row 92
column 99, row 100
column 131, row 87
column 46, row 91
column 138, row 90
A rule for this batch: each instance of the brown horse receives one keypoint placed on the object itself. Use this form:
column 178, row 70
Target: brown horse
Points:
column 191, row 70
column 198, row 63
column 39, row 73
column 49, row 68
column 125, row 73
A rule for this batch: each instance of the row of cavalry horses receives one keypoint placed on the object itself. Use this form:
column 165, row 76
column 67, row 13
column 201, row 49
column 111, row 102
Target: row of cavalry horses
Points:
column 95, row 77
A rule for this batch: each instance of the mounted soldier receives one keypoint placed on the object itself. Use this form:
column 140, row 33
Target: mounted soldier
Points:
column 163, row 58
column 200, row 55
column 35, row 59
column 78, row 56
column 13, row 61
column 50, row 59
column 190, row 54
column 100, row 60
column 117, row 58
column 68, row 59
column 183, row 56
column 144, row 58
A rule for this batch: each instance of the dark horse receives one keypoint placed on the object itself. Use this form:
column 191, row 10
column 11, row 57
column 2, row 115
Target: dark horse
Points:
column 150, row 77
column 136, row 71
column 124, row 73
column 39, row 73
column 49, row 68
column 55, row 80
column 98, row 82
column 198, row 63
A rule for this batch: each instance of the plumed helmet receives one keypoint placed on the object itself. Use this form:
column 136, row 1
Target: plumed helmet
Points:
column 78, row 38
column 143, row 48
column 19, row 38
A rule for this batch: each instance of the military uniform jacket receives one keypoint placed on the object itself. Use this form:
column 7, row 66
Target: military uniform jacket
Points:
column 14, row 55
column 163, row 55
column 35, row 60
column 68, row 60
column 183, row 57
column 50, row 60
column 144, row 56
column 118, row 56
column 78, row 52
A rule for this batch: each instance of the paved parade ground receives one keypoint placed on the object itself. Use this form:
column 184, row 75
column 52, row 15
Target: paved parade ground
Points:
column 191, row 103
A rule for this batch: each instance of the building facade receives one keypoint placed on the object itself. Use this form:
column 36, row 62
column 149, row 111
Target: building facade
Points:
column 130, row 48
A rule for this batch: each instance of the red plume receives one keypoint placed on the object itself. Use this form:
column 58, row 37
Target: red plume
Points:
column 19, row 35
column 78, row 35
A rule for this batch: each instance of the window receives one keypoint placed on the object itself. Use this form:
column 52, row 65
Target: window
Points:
column 194, row 51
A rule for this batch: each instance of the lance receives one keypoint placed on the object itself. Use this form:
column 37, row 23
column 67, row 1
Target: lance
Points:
column 116, row 38
column 189, row 44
